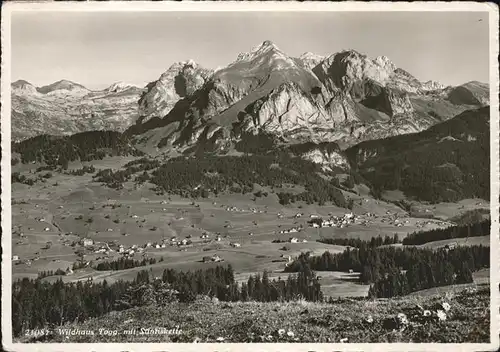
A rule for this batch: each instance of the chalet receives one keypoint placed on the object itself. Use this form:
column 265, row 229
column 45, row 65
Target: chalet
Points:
column 216, row 258
column 452, row 245
column 87, row 242
column 47, row 229
column 184, row 242
column 304, row 241
column 163, row 245
column 294, row 240
column 235, row 245
column 110, row 230
column 158, row 246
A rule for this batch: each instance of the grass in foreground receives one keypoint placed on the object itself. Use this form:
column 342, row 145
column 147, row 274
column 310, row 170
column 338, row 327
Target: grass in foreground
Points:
column 453, row 317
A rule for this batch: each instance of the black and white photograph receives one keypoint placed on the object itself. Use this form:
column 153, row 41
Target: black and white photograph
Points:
column 319, row 177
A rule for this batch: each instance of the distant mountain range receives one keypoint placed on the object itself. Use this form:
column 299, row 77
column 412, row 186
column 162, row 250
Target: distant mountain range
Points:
column 65, row 107
column 344, row 98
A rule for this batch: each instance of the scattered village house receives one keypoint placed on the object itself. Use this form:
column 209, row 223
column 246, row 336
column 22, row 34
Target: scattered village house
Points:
column 87, row 242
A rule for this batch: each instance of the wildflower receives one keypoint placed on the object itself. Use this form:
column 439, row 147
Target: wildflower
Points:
column 441, row 315
column 281, row 332
column 290, row 334
column 427, row 313
column 369, row 319
column 220, row 339
column 344, row 340
column 402, row 319
column 446, row 306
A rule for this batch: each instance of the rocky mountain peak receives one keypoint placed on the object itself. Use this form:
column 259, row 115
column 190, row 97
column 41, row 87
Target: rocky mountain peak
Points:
column 62, row 85
column 266, row 48
column 23, row 87
column 310, row 60
column 180, row 80
column 120, row 87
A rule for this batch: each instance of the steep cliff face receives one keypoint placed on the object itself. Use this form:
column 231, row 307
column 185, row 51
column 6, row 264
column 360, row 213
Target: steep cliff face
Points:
column 180, row 80
column 285, row 109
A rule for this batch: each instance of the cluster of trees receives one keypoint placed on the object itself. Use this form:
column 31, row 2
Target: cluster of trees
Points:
column 42, row 274
column 462, row 231
column 16, row 177
column 115, row 179
column 193, row 177
column 84, row 170
column 85, row 146
column 125, row 263
column 38, row 304
column 376, row 265
column 358, row 243
column 112, row 179
column 447, row 162
column 421, row 276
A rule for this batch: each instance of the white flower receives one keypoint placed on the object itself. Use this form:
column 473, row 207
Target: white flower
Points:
column 446, row 306
column 402, row 318
column 220, row 339
column 281, row 332
column 344, row 340
column 369, row 319
column 441, row 315
column 427, row 313
column 290, row 334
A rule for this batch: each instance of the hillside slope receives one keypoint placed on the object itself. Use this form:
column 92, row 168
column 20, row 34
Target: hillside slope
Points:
column 364, row 321
column 447, row 162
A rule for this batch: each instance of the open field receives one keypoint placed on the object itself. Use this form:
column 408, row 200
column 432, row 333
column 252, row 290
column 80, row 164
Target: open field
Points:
column 51, row 218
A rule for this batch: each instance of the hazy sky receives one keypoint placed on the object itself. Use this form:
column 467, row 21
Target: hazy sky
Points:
column 98, row 48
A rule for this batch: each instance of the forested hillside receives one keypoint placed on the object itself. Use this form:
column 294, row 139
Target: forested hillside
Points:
column 447, row 162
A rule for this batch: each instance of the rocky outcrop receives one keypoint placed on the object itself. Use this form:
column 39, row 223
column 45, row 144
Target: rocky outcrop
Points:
column 329, row 160
column 285, row 109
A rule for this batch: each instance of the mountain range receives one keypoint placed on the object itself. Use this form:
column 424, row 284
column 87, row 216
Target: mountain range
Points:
column 66, row 107
column 345, row 98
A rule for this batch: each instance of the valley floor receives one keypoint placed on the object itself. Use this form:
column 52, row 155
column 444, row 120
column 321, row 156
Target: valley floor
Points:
column 345, row 320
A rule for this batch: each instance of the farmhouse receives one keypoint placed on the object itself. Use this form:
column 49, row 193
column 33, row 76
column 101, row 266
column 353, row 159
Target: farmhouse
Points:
column 294, row 240
column 15, row 257
column 87, row 242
